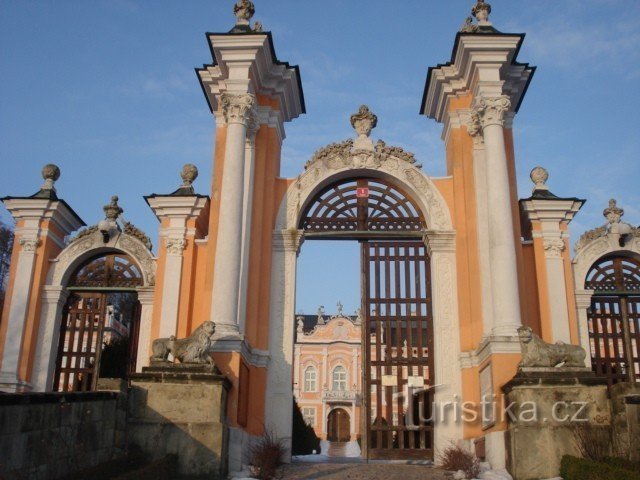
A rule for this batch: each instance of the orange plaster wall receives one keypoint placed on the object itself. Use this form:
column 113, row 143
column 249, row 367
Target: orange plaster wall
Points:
column 574, row 330
column 531, row 295
column 188, row 286
column 157, row 297
column 471, row 393
column 504, row 367
column 544, row 307
column 9, row 293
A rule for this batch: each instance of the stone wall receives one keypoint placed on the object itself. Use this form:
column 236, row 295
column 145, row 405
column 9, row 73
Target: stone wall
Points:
column 48, row 435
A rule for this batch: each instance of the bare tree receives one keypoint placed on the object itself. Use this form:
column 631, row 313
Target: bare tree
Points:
column 6, row 245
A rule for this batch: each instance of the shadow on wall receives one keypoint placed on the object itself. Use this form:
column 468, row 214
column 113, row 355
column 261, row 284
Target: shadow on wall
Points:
column 304, row 438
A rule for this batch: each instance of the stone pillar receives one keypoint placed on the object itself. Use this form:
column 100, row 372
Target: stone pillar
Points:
column 53, row 300
column 279, row 398
column 583, row 302
column 247, row 201
column 549, row 217
column 441, row 247
column 22, row 289
column 145, row 297
column 490, row 112
column 238, row 109
column 175, row 214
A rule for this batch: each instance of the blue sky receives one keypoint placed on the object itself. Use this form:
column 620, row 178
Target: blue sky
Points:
column 106, row 89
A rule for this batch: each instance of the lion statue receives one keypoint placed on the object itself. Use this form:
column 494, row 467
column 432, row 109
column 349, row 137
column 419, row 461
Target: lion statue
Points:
column 537, row 353
column 193, row 349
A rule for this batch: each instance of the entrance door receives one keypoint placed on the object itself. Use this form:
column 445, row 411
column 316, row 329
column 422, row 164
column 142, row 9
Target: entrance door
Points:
column 339, row 426
column 398, row 341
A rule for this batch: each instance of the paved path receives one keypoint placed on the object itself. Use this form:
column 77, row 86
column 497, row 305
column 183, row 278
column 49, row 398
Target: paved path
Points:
column 353, row 471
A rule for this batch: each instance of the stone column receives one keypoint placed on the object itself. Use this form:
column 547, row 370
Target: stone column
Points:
column 583, row 302
column 247, row 201
column 238, row 109
column 145, row 297
column 441, row 247
column 502, row 247
column 474, row 128
column 279, row 397
column 53, row 300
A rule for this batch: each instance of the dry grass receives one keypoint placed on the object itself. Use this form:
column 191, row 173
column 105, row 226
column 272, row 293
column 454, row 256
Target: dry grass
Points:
column 266, row 457
column 455, row 458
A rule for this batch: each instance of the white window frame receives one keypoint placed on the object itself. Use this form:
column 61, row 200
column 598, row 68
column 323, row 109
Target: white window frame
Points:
column 339, row 384
column 309, row 415
column 310, row 384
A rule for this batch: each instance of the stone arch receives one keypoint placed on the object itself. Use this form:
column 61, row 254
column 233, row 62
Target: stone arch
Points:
column 393, row 165
column 87, row 245
column 593, row 246
column 322, row 171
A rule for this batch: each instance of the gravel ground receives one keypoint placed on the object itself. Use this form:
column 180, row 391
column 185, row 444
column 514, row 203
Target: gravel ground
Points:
column 332, row 471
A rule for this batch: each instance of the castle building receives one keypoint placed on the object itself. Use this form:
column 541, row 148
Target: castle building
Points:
column 454, row 267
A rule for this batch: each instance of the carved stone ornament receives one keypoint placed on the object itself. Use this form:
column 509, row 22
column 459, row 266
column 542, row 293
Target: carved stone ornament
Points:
column 614, row 224
column 243, row 10
column 481, row 11
column 364, row 121
column 257, row 27
column 468, row 26
column 539, row 177
column 300, row 325
column 50, row 174
column 189, row 173
column 131, row 229
column 175, row 245
column 474, row 127
column 237, row 108
column 194, row 349
column 112, row 211
column 29, row 245
column 538, row 353
column 553, row 247
column 491, row 110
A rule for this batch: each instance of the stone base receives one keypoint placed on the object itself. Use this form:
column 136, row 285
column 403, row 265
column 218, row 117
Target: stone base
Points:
column 181, row 409
column 547, row 405
column 9, row 383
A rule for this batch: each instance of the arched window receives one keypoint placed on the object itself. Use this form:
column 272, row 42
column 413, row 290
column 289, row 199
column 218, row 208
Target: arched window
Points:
column 614, row 318
column 310, row 379
column 339, row 379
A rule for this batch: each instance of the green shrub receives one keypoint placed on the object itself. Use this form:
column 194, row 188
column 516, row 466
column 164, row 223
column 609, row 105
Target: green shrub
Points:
column 573, row 468
column 622, row 463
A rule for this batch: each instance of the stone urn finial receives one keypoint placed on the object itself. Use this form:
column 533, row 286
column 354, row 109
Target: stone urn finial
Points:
column 539, row 177
column 189, row 173
column 243, row 10
column 363, row 122
column 613, row 213
column 481, row 12
column 50, row 174
column 113, row 210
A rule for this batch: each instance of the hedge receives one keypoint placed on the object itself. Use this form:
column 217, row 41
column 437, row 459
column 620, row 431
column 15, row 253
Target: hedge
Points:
column 573, row 468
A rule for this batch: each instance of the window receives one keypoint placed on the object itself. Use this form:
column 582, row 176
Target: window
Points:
column 309, row 415
column 310, row 384
column 339, row 379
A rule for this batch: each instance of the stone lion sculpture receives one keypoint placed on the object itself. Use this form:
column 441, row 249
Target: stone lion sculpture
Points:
column 538, row 353
column 193, row 349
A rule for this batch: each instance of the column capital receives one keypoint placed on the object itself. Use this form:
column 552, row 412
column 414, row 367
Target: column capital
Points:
column 238, row 107
column 288, row 240
column 583, row 298
column 440, row 241
column 474, row 128
column 253, row 125
column 492, row 110
column 553, row 247
column 145, row 295
column 29, row 244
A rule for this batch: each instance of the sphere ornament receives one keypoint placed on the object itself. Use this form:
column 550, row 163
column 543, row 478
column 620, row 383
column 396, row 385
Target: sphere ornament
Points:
column 188, row 174
column 243, row 10
column 51, row 172
column 539, row 177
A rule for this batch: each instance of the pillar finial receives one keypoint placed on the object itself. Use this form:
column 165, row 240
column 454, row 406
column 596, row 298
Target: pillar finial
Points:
column 50, row 174
column 539, row 177
column 189, row 173
column 363, row 122
column 481, row 11
column 243, row 10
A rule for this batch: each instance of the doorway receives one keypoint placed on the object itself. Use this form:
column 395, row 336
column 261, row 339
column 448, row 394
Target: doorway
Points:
column 338, row 425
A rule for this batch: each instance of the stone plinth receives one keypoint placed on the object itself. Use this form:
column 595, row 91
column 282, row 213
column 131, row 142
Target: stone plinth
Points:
column 181, row 409
column 547, row 405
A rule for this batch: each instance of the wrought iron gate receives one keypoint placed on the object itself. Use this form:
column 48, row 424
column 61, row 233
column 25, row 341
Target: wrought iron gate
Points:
column 614, row 319
column 398, row 350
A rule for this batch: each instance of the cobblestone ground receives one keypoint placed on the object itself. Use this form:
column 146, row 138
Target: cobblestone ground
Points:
column 328, row 471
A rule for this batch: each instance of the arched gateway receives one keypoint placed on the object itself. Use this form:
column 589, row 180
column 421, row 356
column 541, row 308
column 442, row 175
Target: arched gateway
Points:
column 377, row 195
